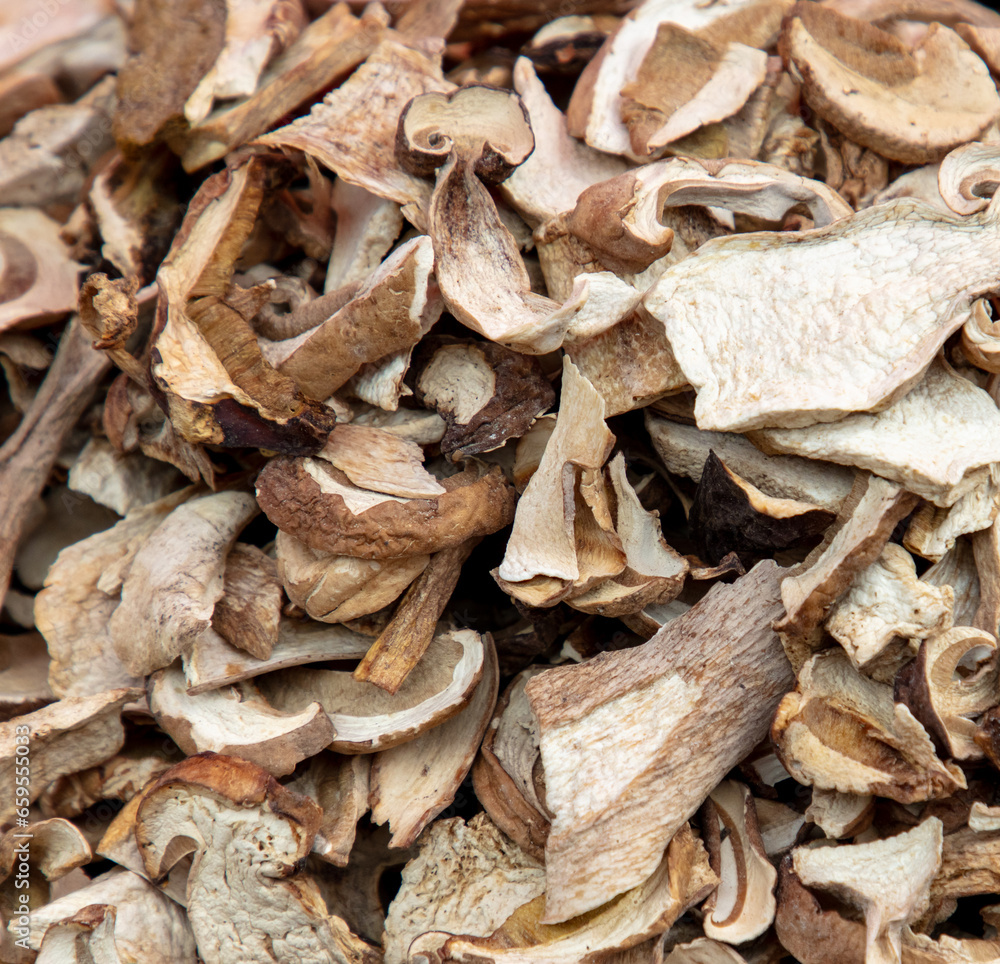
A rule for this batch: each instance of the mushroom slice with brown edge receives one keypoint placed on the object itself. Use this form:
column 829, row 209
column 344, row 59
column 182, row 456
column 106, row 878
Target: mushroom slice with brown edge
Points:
column 412, row 783
column 838, row 814
column 681, row 880
column 67, row 736
column 703, row 951
column 831, row 371
column 249, row 611
column 981, row 338
column 911, row 106
column 733, row 515
column 969, row 176
column 335, row 589
column 633, row 741
column 146, row 925
column 541, row 556
column 238, row 722
column 485, row 393
column 24, row 684
column 175, row 580
column 952, row 681
column 507, row 774
column 213, row 663
column 317, row 504
column 367, row 718
column 742, row 907
column 886, row 880
column 839, row 730
column 888, row 600
column 245, row 898
column 654, row 572
column 863, row 526
column 339, row 784
column 86, row 936
column 466, row 877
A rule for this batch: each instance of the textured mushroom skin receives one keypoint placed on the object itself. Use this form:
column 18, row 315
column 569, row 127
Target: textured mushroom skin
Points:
column 476, row 503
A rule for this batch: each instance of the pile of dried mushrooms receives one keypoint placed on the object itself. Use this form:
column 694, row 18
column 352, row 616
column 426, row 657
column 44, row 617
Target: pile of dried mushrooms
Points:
column 503, row 482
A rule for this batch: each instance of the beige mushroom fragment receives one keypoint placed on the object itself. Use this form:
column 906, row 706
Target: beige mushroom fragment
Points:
column 249, row 611
column 981, row 338
column 839, row 730
column 237, row 721
column 175, row 579
column 838, row 814
column 887, row 880
column 246, row 899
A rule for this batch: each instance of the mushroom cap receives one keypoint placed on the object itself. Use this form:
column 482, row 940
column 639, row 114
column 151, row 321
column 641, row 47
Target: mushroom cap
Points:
column 482, row 125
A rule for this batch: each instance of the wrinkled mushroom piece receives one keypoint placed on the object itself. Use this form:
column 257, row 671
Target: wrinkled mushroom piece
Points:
column 911, row 106
column 120, row 481
column 238, row 722
column 245, row 899
column 887, row 880
column 838, row 814
column 957, row 569
column 175, row 580
column 887, row 600
column 829, row 370
column 412, row 783
column 365, row 717
column 743, row 906
column 317, row 504
column 248, row 612
column 952, row 681
column 839, row 730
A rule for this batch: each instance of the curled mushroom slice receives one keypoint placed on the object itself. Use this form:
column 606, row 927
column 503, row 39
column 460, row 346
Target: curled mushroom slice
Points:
column 952, row 681
column 887, row 880
column 246, row 899
column 367, row 718
column 908, row 106
column 839, row 730
column 317, row 504
column 981, row 337
column 969, row 176
column 887, row 600
column 742, row 907
column 238, row 722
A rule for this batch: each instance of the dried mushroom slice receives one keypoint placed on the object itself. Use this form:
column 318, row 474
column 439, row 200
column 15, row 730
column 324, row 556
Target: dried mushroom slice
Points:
column 622, row 774
column 969, row 176
column 886, row 880
column 839, row 730
column 981, row 338
column 952, row 681
column 412, row 783
column 66, row 736
column 367, row 718
column 830, row 370
column 838, row 814
column 743, row 905
column 246, row 899
column 887, row 600
column 249, row 611
column 682, row 879
column 911, row 106
column 238, row 722
column 317, row 504
column 24, row 676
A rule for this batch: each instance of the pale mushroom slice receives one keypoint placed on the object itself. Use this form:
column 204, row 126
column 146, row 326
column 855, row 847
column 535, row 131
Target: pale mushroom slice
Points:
column 829, row 370
column 142, row 923
column 911, row 106
column 969, row 176
column 897, row 443
column 838, row 814
column 63, row 737
column 175, row 580
column 684, row 450
column 703, row 951
column 864, row 523
column 682, row 878
column 507, row 774
column 120, row 481
column 365, row 717
column 743, row 905
column 887, row 600
column 412, row 783
column 984, row 819
column 248, row 613
column 957, row 569
column 340, row 785
column 839, row 730
column 336, row 589
column 887, row 880
column 952, row 681
column 466, row 878
column 986, row 552
column 213, row 663
column 250, row 836
column 237, row 721
column 632, row 742
column 367, row 227
column 981, row 338
column 317, row 504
